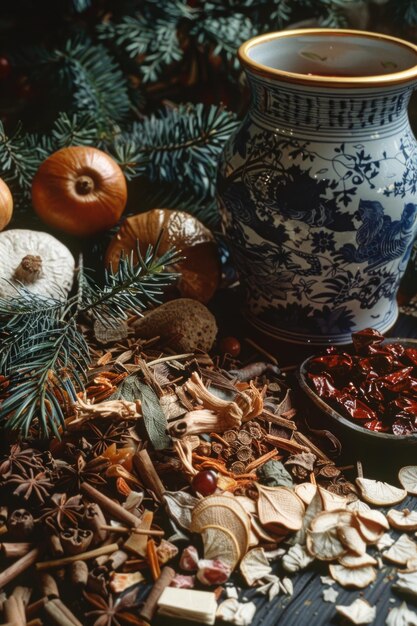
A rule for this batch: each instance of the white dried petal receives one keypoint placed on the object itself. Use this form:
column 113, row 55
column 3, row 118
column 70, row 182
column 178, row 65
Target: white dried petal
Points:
column 401, row 616
column 326, row 580
column 254, row 566
column 330, row 595
column 351, row 539
column 380, row 493
column 286, row 586
column 386, row 541
column 406, row 583
column 353, row 561
column 402, row 520
column 359, row 612
column 357, row 578
column 234, row 612
column 408, row 478
column 274, row 589
column 325, row 546
column 401, row 551
column 296, row 559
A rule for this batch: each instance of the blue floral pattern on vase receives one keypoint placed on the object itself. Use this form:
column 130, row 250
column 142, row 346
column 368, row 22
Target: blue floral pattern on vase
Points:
column 320, row 223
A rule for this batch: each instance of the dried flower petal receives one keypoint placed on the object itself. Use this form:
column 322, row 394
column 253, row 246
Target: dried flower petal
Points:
column 359, row 612
column 357, row 578
column 296, row 559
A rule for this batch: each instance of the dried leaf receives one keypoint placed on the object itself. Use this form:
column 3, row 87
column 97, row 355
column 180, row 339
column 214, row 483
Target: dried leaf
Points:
column 332, row 501
column 408, row 478
column 254, row 566
column 401, row 616
column 280, row 506
column 357, row 578
column 402, row 520
column 380, row 493
column 359, row 612
column 154, row 419
column 274, row 474
column 220, row 544
column 180, row 505
column 401, row 551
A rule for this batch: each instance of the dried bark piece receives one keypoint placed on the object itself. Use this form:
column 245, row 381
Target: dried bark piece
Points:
column 402, row 520
column 220, row 543
column 353, row 561
column 359, row 612
column 306, row 491
column 332, row 501
column 408, row 478
column 254, row 566
column 280, row 506
column 401, row 551
column 296, row 559
column 401, row 616
column 351, row 539
column 352, row 578
column 380, row 493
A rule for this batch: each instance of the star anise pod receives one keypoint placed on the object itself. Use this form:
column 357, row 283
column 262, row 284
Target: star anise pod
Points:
column 110, row 612
column 62, row 511
column 34, row 486
column 101, row 439
column 20, row 461
column 72, row 475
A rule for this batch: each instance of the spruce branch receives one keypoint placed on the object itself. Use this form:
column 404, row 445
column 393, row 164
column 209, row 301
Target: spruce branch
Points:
column 177, row 145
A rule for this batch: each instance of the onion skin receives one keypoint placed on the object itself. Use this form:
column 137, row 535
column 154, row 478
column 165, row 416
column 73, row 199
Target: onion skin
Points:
column 200, row 267
column 6, row 205
column 79, row 190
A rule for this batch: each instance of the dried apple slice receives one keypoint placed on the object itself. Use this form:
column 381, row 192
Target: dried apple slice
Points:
column 359, row 612
column 401, row 551
column 306, row 491
column 358, row 506
column 261, row 533
column 379, row 493
column 220, row 543
column 280, row 506
column 408, row 478
column 358, row 578
column 254, row 566
column 351, row 539
column 325, row 545
column 328, row 520
column 353, row 561
column 402, row 520
column 406, row 583
column 371, row 525
column 332, row 501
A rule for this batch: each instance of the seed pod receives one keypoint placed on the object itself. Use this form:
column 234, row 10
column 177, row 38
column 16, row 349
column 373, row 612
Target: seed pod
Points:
column 245, row 437
column 244, row 453
column 238, row 467
column 230, row 436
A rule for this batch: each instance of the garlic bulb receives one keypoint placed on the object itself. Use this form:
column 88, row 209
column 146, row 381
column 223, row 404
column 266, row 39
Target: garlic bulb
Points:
column 36, row 260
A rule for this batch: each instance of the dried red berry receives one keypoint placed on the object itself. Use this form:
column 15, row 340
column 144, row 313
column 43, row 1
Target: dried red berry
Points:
column 205, row 482
column 230, row 345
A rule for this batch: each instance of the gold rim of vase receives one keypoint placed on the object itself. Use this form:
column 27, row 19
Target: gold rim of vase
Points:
column 374, row 80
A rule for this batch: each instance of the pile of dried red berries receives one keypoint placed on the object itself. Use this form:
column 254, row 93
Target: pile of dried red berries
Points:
column 376, row 386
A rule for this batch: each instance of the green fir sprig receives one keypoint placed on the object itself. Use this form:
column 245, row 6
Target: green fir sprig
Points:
column 44, row 354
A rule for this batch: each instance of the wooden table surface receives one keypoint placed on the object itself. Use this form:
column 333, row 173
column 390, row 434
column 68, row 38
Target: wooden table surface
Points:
column 306, row 607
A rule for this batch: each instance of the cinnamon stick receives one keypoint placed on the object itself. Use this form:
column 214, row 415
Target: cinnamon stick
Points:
column 35, row 622
column 90, row 554
column 286, row 444
column 48, row 585
column 19, row 566
column 79, row 573
column 111, row 506
column 33, row 609
column 304, row 440
column 95, row 519
column 14, row 611
column 59, row 614
column 148, row 609
column 146, row 470
column 15, row 550
column 276, row 419
column 134, row 531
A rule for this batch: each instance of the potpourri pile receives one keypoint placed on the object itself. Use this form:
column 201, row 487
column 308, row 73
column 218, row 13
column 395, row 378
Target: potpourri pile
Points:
column 185, row 472
column 376, row 387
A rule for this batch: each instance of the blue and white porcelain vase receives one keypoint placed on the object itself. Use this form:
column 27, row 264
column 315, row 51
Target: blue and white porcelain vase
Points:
column 318, row 187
